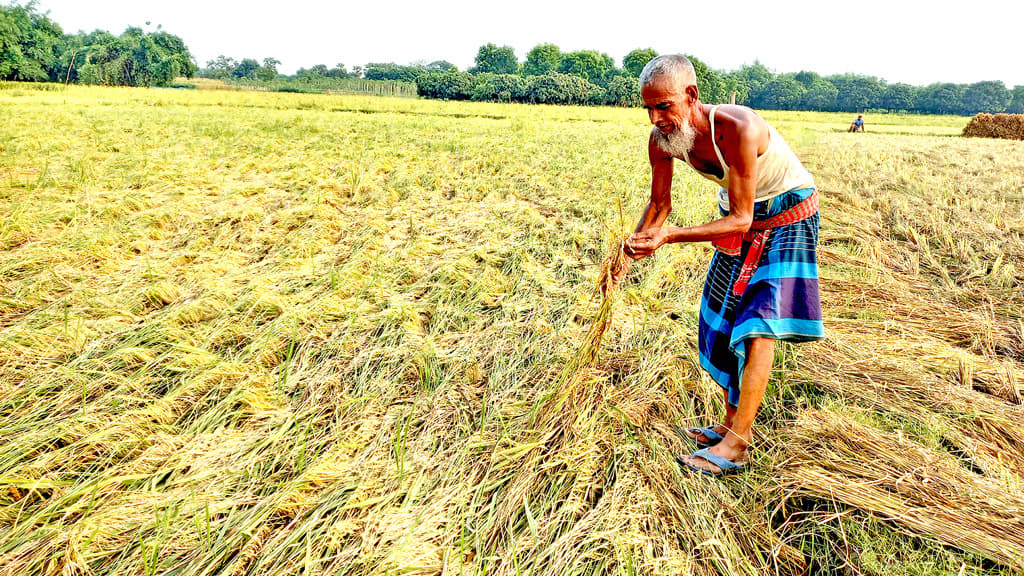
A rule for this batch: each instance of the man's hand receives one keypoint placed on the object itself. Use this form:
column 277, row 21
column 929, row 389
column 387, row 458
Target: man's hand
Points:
column 643, row 244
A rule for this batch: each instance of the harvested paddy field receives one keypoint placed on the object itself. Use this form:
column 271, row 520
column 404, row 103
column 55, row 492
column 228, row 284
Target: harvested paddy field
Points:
column 250, row 333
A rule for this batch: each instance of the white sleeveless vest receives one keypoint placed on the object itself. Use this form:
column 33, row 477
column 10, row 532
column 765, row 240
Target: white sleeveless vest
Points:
column 778, row 169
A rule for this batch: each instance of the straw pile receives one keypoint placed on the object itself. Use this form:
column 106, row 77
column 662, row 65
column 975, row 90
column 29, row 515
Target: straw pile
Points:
column 1008, row 126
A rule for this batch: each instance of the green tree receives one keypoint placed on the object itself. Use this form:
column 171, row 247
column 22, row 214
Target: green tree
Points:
column 856, row 93
column 72, row 57
column 174, row 54
column 710, row 84
column 590, row 65
column 557, row 88
column 1016, row 105
column 31, row 44
column 941, row 98
column 220, row 67
column 754, row 75
column 246, row 69
column 819, row 94
column 780, row 93
column 441, row 66
column 496, row 59
column 541, row 59
column 806, row 78
column 500, row 88
column 899, row 97
column 451, row 85
column 989, row 96
column 392, row 71
column 635, row 61
column 135, row 58
column 268, row 71
column 623, row 91
column 732, row 82
column 314, row 71
column 339, row 71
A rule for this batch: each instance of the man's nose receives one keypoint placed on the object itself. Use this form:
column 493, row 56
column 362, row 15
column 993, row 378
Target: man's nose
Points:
column 653, row 115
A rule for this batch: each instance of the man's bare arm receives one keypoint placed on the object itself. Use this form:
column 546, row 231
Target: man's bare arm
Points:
column 660, row 204
column 658, row 207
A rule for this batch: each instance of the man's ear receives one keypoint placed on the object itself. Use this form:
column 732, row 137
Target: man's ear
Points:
column 693, row 92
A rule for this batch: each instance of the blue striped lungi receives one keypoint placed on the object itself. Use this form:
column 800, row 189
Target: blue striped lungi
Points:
column 781, row 300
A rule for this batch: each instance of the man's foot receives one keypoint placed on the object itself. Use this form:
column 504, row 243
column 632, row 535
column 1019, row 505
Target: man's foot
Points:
column 705, row 437
column 730, row 455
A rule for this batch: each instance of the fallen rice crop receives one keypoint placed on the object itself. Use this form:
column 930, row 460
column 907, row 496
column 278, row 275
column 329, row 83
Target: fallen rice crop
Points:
column 251, row 333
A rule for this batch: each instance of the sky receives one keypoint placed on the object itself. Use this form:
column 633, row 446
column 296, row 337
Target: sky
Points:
column 913, row 42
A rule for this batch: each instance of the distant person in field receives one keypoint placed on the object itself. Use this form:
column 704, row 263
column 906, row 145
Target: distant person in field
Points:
column 762, row 284
column 858, row 124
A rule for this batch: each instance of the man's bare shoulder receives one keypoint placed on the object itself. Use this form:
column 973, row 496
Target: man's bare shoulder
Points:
column 738, row 123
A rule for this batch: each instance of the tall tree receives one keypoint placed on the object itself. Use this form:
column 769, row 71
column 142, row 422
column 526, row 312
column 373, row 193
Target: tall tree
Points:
column 856, row 93
column 246, row 69
column 941, row 98
column 496, row 59
column 268, row 71
column 1016, row 105
column 174, row 54
column 623, row 91
column 136, row 58
column 339, row 71
column 899, row 97
column 753, row 75
column 541, row 59
column 708, row 82
column 806, row 78
column 733, row 82
column 635, row 61
column 220, row 67
column 820, row 94
column 780, row 93
column 30, row 44
column 590, row 65
column 392, row 71
column 989, row 96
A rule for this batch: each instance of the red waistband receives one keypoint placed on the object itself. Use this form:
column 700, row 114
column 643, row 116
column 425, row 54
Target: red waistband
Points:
column 731, row 245
column 758, row 234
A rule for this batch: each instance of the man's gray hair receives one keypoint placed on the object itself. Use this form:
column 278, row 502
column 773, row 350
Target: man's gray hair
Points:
column 676, row 65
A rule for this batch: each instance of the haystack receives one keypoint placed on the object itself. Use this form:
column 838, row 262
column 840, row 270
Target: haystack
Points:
column 1009, row 126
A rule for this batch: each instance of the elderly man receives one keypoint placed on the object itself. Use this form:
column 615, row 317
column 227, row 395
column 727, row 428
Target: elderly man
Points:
column 762, row 285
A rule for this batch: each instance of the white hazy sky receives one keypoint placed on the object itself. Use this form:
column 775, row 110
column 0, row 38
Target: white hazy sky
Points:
column 898, row 40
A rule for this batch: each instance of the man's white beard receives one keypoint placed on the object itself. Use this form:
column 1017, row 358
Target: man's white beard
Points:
column 679, row 141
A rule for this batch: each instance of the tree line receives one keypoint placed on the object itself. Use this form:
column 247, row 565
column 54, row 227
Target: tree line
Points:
column 34, row 48
column 589, row 77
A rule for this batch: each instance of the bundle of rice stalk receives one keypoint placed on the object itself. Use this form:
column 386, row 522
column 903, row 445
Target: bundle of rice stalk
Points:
column 835, row 458
column 573, row 373
column 853, row 368
column 607, row 286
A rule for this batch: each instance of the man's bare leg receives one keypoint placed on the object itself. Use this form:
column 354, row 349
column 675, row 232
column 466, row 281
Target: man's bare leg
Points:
column 722, row 428
column 760, row 356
